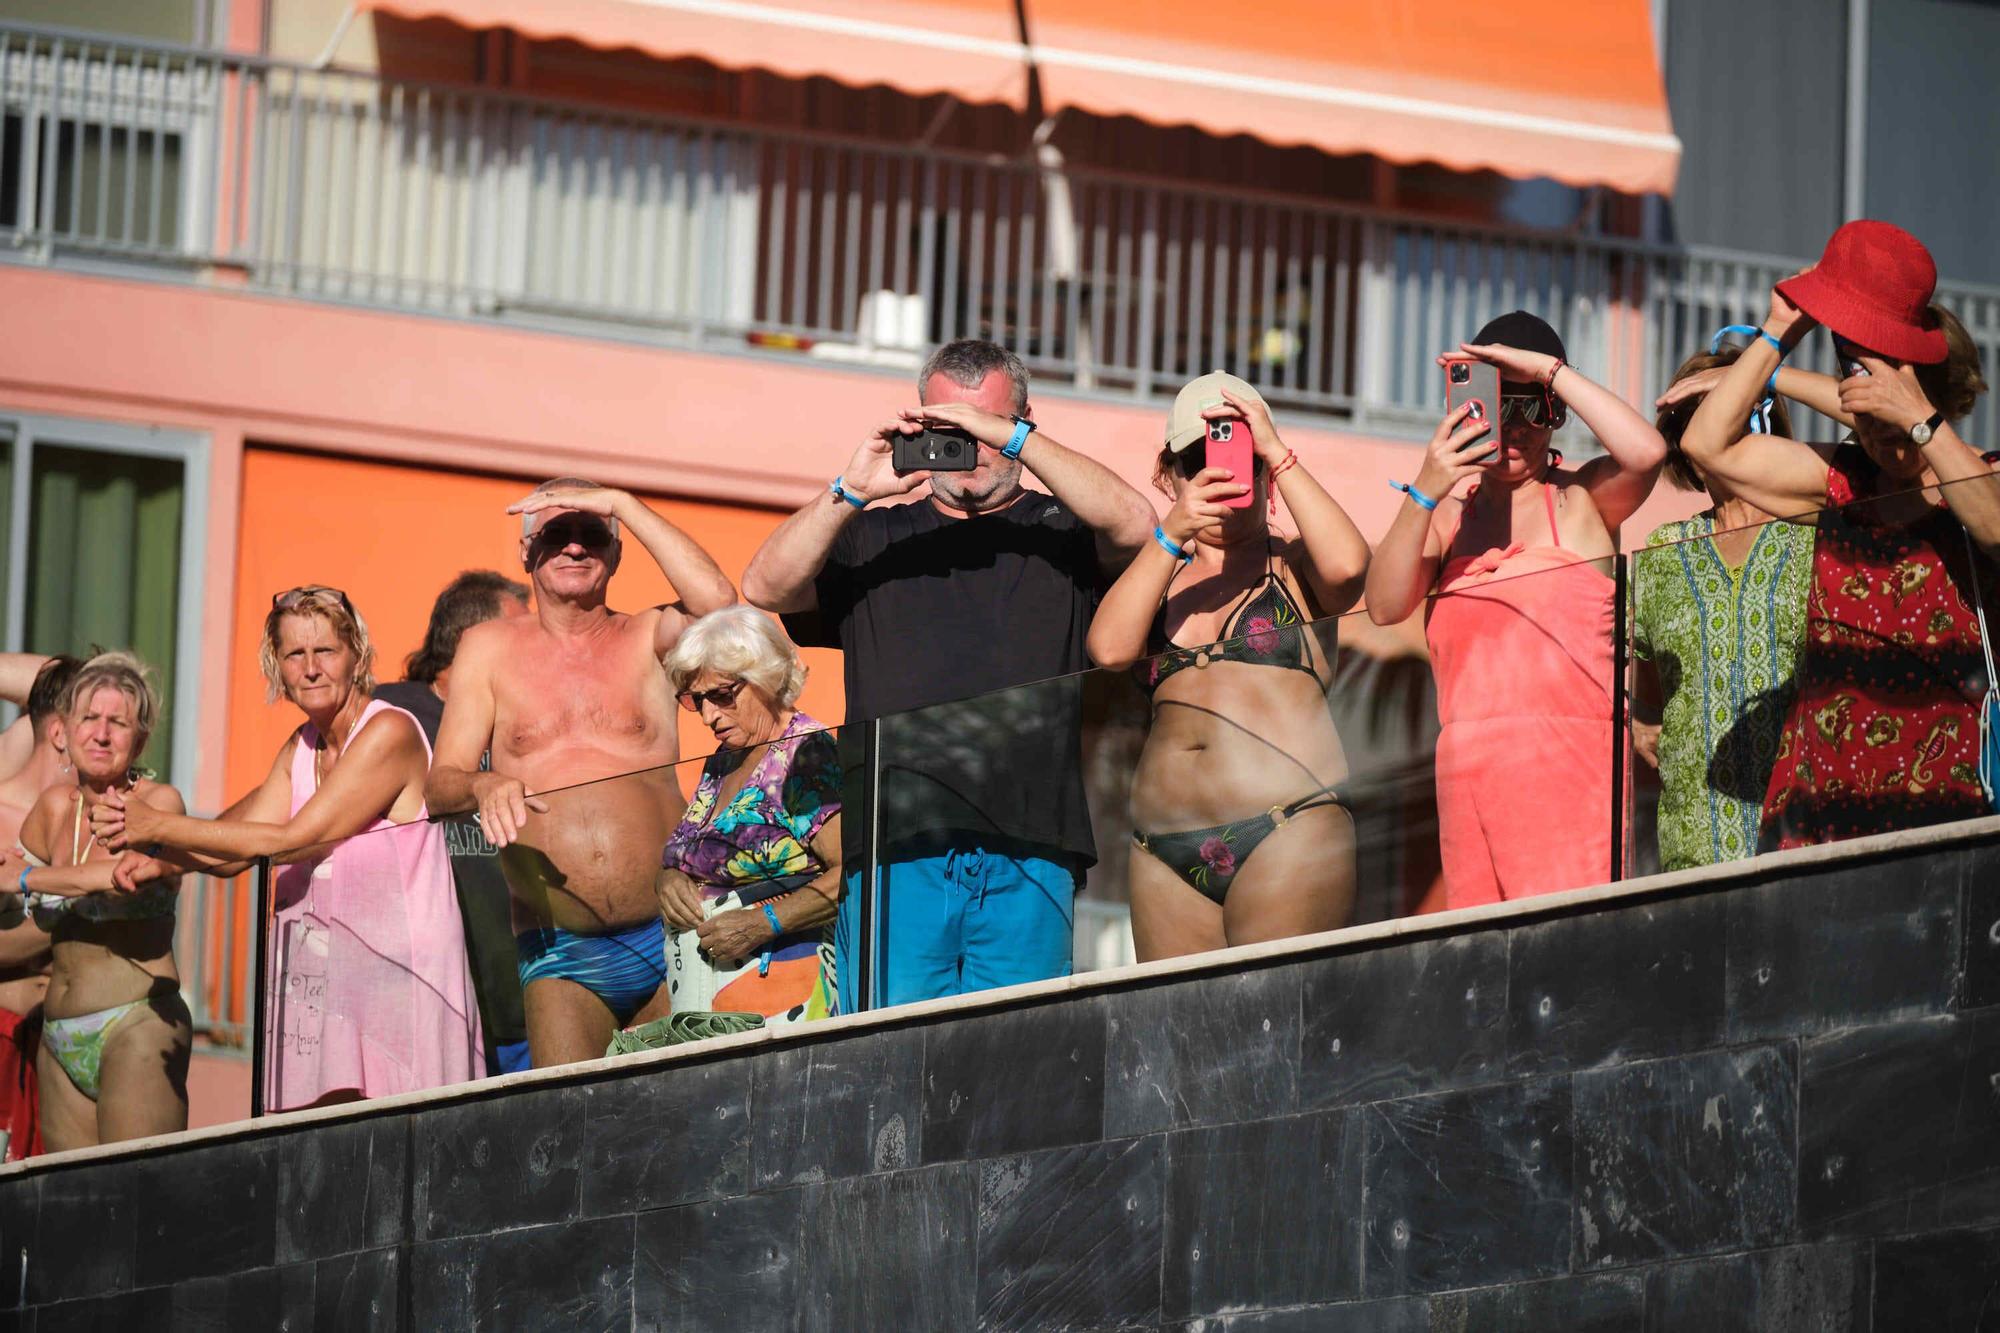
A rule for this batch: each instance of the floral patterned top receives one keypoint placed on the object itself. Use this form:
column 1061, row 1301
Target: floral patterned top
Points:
column 760, row 843
column 1725, row 642
column 1885, row 731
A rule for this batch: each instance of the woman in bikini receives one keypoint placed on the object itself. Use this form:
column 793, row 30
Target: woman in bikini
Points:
column 371, row 994
column 1242, row 832
column 1509, row 547
column 116, row 1037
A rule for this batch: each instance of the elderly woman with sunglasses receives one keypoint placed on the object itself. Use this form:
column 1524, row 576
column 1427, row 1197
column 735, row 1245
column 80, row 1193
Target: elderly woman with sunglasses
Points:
column 1521, row 623
column 1884, row 732
column 370, row 989
column 749, row 882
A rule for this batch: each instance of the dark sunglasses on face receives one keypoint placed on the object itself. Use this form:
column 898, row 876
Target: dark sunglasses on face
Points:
column 573, row 529
column 1528, row 409
column 722, row 696
column 1847, row 356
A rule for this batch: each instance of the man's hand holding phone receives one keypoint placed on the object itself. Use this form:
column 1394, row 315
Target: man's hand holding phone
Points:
column 871, row 474
column 1203, row 505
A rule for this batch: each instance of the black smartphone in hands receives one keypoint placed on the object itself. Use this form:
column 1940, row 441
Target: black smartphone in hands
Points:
column 935, row 449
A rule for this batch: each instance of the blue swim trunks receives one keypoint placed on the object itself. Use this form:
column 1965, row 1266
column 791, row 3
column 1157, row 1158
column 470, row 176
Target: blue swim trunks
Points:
column 622, row 967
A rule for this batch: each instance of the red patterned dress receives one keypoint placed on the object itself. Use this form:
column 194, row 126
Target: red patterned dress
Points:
column 1885, row 732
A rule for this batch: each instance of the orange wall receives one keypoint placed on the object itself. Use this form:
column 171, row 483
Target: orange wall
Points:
column 391, row 537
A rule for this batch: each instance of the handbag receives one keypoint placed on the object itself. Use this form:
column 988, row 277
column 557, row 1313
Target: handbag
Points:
column 1989, row 707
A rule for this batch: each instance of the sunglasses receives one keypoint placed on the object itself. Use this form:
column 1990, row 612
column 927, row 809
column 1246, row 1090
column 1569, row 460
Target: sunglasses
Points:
column 583, row 530
column 1528, row 409
column 722, row 696
column 299, row 596
column 1847, row 356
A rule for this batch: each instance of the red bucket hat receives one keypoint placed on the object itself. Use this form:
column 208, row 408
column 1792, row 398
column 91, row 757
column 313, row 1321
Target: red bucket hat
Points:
column 1873, row 286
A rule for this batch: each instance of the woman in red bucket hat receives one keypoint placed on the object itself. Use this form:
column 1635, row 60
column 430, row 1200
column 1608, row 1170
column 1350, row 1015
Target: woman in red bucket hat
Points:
column 1884, row 731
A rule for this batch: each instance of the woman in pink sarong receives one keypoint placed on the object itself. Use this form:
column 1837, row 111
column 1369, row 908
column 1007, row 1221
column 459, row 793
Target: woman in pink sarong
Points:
column 370, row 992
column 1513, row 546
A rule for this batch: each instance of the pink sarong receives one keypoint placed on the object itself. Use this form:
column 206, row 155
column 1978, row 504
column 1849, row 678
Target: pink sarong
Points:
column 369, row 986
column 1521, row 644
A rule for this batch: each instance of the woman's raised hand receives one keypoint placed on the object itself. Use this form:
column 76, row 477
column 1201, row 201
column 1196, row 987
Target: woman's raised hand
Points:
column 1456, row 451
column 1517, row 364
column 1199, row 506
column 1691, row 386
column 1263, row 435
column 1785, row 321
column 111, row 821
column 1887, row 392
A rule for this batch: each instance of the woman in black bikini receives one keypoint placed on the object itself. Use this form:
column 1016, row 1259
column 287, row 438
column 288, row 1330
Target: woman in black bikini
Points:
column 1242, row 757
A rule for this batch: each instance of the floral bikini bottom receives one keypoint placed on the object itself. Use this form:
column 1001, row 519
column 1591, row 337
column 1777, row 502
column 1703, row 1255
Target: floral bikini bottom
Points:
column 1210, row 858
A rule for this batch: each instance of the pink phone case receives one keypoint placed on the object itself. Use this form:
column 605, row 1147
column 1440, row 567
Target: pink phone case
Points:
column 1235, row 454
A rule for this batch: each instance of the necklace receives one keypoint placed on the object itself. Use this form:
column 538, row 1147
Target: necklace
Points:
column 319, row 748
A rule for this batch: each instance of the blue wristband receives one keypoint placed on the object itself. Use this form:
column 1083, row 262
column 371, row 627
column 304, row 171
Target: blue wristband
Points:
column 1748, row 331
column 1023, row 428
column 1167, row 545
column 21, row 884
column 839, row 491
column 1423, row 501
column 770, row 915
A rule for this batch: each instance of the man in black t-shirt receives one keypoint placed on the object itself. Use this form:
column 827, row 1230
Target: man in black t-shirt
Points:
column 961, row 618
column 473, row 598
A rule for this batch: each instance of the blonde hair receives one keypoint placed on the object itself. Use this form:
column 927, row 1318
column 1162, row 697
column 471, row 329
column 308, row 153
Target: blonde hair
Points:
column 127, row 674
column 742, row 643
column 331, row 606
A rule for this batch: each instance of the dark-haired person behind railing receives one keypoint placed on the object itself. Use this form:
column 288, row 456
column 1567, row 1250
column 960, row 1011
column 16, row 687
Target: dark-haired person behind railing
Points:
column 1242, row 761
column 369, row 990
column 1884, row 733
column 1718, row 619
column 473, row 598
column 1521, row 627
column 116, row 1033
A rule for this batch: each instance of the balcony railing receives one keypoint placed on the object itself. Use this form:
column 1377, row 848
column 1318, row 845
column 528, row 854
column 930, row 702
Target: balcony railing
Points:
column 350, row 187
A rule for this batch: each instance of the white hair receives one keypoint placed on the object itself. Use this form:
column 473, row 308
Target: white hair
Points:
column 744, row 644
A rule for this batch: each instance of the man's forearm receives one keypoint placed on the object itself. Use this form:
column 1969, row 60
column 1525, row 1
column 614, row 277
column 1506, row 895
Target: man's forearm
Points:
column 449, row 790
column 17, row 675
column 780, row 577
column 697, row 580
column 1093, row 492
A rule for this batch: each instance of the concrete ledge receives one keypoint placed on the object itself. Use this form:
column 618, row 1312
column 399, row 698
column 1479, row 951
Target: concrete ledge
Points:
column 1828, row 856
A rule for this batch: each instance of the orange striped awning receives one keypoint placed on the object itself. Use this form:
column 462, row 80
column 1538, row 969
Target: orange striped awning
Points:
column 1527, row 88
column 971, row 48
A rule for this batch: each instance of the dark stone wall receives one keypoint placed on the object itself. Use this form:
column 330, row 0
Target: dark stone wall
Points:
column 1765, row 1105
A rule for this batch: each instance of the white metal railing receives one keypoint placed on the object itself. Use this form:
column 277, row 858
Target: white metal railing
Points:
column 211, row 939
column 345, row 186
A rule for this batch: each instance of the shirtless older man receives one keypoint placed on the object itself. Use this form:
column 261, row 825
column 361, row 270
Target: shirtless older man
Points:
column 571, row 695
column 31, row 763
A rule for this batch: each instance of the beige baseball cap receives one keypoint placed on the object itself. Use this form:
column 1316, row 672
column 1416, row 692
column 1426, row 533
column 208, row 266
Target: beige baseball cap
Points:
column 1185, row 424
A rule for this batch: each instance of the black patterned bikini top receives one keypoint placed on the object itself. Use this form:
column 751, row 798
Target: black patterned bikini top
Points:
column 1266, row 629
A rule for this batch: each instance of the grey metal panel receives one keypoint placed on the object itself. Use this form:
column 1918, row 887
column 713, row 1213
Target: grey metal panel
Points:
column 1934, row 129
column 1756, row 93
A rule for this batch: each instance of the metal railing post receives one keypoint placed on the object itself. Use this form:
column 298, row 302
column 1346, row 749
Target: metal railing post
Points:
column 260, row 951
column 871, row 874
column 1619, row 695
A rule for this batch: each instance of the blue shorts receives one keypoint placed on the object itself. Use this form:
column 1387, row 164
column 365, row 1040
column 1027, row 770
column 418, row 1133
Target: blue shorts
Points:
column 965, row 920
column 621, row 967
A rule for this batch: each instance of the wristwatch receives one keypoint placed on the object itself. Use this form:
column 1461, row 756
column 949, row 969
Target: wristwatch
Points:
column 1920, row 434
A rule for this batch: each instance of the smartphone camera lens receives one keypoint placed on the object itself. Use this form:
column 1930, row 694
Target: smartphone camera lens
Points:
column 1461, row 373
column 1220, row 431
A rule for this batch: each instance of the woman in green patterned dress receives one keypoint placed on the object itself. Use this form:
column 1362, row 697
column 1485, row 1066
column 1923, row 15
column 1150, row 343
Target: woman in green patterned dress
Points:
column 1718, row 616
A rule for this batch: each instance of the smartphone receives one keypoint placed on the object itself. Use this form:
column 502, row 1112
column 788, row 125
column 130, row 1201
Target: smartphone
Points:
column 1847, row 357
column 934, row 449
column 1468, row 380
column 1229, row 446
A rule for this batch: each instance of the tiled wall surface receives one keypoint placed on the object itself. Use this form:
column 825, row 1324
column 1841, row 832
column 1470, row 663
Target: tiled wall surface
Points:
column 1768, row 1106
